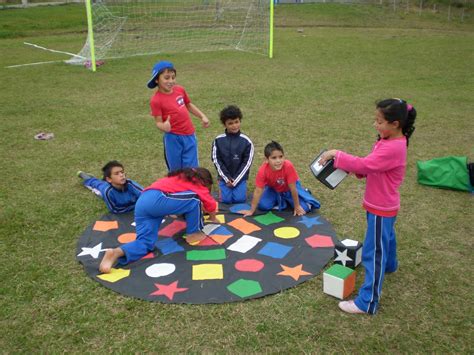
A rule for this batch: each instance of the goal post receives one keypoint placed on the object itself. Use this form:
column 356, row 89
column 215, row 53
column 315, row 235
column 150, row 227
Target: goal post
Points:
column 125, row 28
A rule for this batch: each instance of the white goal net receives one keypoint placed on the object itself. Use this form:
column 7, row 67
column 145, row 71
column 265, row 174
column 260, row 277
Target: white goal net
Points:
column 124, row 28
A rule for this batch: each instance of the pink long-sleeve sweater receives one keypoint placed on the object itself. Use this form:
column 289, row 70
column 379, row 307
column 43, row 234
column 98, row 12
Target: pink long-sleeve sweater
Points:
column 384, row 169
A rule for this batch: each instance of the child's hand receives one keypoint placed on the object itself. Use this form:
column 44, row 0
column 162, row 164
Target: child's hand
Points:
column 205, row 121
column 245, row 213
column 214, row 219
column 299, row 211
column 326, row 156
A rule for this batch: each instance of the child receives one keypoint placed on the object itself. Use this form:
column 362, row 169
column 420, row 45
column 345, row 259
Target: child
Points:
column 181, row 192
column 384, row 170
column 170, row 106
column 277, row 185
column 232, row 154
column 119, row 193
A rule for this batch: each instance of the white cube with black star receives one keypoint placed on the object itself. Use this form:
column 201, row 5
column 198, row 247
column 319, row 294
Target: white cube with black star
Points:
column 348, row 253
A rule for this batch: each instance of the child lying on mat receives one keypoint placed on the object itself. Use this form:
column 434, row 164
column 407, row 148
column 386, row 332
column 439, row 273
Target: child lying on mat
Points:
column 119, row 193
column 277, row 185
column 182, row 192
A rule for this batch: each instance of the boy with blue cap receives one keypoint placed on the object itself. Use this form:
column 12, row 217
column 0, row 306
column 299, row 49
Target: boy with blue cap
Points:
column 170, row 106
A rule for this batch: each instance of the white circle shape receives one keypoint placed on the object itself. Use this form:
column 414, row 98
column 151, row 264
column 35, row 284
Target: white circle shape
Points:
column 158, row 270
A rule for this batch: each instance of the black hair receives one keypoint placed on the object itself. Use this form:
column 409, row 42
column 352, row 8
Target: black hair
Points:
column 161, row 72
column 271, row 147
column 398, row 110
column 107, row 169
column 229, row 113
column 194, row 175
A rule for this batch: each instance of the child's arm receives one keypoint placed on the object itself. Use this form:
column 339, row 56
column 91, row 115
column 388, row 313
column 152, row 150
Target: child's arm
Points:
column 245, row 164
column 163, row 126
column 298, row 210
column 220, row 165
column 257, row 194
column 199, row 114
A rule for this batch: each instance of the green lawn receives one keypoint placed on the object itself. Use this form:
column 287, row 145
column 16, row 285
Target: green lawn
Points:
column 318, row 92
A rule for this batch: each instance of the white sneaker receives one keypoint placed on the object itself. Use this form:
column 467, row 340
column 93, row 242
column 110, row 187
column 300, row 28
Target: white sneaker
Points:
column 350, row 307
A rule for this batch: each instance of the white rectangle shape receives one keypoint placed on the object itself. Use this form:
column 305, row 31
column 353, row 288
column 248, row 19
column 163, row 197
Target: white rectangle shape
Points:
column 244, row 244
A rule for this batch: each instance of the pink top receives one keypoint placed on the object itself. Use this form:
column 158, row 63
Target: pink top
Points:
column 276, row 179
column 173, row 105
column 384, row 168
column 178, row 184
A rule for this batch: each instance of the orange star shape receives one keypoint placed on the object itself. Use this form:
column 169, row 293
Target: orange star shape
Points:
column 167, row 290
column 294, row 272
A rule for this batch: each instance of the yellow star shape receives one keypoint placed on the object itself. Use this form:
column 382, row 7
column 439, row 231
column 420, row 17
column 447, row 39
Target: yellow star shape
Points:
column 294, row 272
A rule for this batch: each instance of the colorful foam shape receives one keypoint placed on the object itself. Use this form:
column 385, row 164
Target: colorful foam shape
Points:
column 348, row 253
column 244, row 244
column 268, row 219
column 207, row 272
column 219, row 217
column 320, row 241
column 294, row 272
column 209, row 228
column 249, row 265
column 127, row 237
column 310, row 221
column 245, row 227
column 161, row 269
column 339, row 281
column 150, row 255
column 168, row 290
column 171, row 229
column 220, row 239
column 245, row 288
column 207, row 242
column 168, row 246
column 222, row 231
column 286, row 232
column 239, row 207
column 114, row 275
column 213, row 254
column 104, row 226
column 94, row 251
column 275, row 250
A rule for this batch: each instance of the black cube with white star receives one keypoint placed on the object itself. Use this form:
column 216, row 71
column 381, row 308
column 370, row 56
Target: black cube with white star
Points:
column 348, row 253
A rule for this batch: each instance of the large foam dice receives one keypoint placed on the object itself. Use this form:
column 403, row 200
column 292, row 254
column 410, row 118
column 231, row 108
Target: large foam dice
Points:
column 339, row 281
column 348, row 253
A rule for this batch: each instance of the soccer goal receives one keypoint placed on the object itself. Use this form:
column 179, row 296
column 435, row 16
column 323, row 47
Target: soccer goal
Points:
column 124, row 28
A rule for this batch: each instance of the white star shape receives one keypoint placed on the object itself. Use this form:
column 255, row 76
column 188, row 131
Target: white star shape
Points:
column 94, row 252
column 342, row 257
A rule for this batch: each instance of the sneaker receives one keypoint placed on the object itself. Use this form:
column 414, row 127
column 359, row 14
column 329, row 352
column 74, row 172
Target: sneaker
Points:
column 84, row 176
column 350, row 307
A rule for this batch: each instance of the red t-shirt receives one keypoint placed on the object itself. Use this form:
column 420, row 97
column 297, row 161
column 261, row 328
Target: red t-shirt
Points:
column 177, row 184
column 173, row 105
column 276, row 179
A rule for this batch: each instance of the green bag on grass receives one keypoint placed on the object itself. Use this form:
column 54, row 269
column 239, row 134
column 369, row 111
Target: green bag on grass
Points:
column 446, row 173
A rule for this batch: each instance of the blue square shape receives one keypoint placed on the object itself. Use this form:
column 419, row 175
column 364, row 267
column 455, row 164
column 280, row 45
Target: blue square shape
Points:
column 168, row 246
column 275, row 250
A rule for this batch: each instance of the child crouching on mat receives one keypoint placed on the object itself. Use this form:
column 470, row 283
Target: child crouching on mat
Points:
column 180, row 193
column 384, row 171
column 119, row 193
column 277, row 185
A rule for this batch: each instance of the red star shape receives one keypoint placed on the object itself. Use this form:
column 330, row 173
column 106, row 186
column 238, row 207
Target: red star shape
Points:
column 168, row 290
column 294, row 272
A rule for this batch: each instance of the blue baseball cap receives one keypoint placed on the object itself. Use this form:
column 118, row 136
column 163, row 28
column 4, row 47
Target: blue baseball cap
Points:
column 157, row 69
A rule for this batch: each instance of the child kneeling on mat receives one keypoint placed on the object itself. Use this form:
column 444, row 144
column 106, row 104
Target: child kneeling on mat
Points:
column 180, row 193
column 277, row 185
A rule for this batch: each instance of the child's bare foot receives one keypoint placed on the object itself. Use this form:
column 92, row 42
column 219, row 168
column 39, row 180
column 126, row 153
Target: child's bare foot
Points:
column 109, row 259
column 195, row 237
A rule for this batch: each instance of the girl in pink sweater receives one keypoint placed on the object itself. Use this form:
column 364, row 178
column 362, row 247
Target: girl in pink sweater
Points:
column 384, row 170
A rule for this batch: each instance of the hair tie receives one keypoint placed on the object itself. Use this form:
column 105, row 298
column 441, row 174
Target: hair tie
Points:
column 409, row 107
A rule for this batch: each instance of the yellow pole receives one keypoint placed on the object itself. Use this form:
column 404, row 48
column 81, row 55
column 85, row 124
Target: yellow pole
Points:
column 90, row 32
column 270, row 49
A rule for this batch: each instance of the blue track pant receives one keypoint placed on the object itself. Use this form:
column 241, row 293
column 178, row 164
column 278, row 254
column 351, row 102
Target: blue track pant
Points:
column 151, row 208
column 379, row 255
column 270, row 199
column 180, row 151
column 237, row 194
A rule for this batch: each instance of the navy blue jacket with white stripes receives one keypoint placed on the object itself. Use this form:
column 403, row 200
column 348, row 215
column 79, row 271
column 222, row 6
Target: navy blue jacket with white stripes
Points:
column 232, row 154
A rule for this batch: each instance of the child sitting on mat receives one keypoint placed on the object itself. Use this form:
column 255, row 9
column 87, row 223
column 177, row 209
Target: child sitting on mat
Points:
column 182, row 192
column 119, row 193
column 277, row 185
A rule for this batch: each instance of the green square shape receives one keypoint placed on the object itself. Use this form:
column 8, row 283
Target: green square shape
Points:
column 268, row 219
column 245, row 288
column 214, row 254
column 339, row 271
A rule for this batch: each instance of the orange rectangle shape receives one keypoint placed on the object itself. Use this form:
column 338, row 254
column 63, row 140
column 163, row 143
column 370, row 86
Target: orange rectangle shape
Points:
column 242, row 225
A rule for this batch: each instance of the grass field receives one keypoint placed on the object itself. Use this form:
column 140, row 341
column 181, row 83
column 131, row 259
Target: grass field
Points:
column 318, row 92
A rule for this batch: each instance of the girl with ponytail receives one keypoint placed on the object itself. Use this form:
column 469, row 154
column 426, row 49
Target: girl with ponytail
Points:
column 384, row 170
